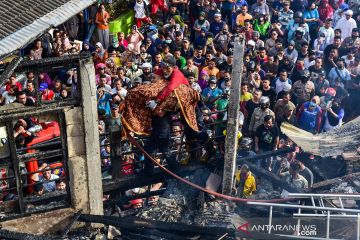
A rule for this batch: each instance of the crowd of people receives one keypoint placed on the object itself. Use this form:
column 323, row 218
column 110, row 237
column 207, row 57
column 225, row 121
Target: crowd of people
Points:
column 301, row 66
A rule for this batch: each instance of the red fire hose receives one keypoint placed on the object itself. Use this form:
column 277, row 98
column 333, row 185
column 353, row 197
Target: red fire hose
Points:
column 234, row 199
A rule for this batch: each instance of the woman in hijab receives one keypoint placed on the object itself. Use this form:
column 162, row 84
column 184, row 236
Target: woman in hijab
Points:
column 201, row 23
column 45, row 78
column 203, row 79
column 100, row 54
column 87, row 47
column 325, row 10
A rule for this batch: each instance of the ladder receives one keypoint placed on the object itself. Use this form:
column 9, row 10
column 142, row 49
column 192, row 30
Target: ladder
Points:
column 322, row 206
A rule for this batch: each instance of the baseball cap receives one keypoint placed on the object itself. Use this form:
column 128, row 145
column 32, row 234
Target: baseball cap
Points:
column 43, row 86
column 292, row 43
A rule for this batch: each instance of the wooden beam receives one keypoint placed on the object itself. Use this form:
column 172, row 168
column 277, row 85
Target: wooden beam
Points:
column 328, row 182
column 133, row 181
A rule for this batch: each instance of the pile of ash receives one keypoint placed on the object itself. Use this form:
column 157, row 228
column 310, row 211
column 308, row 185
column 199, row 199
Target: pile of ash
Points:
column 180, row 203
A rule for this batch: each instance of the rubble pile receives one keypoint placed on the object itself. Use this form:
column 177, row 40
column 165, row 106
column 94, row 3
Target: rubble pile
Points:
column 344, row 187
column 180, row 204
column 166, row 209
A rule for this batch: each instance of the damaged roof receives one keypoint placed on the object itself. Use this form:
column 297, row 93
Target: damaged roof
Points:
column 23, row 21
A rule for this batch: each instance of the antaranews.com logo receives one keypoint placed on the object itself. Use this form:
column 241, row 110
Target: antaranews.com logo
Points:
column 308, row 228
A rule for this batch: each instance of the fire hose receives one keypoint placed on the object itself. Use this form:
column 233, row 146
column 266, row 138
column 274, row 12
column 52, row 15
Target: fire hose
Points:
column 216, row 194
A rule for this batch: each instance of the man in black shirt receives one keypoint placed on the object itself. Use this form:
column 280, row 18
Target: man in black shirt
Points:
column 159, row 140
column 267, row 139
column 23, row 99
column 228, row 64
column 335, row 45
column 268, row 92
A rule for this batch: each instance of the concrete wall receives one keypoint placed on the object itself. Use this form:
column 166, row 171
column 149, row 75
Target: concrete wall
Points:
column 83, row 146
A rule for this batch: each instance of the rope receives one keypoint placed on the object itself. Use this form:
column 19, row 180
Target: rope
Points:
column 216, row 194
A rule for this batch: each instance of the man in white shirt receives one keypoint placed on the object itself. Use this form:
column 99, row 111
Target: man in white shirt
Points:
column 282, row 83
column 118, row 89
column 328, row 31
column 346, row 24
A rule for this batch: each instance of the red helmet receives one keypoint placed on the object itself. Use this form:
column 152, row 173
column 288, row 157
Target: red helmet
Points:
column 330, row 91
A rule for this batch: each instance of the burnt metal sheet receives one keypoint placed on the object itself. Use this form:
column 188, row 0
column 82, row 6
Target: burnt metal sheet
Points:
column 23, row 21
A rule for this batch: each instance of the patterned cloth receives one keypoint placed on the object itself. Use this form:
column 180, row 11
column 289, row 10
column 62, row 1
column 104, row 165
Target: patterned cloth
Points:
column 137, row 118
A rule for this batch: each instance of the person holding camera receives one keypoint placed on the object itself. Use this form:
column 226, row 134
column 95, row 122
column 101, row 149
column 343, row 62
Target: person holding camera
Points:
column 135, row 39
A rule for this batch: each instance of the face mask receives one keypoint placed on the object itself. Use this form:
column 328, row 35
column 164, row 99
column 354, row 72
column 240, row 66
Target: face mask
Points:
column 168, row 41
column 341, row 67
column 261, row 19
column 298, row 66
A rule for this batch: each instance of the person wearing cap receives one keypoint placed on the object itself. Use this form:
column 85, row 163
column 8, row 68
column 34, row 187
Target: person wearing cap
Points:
column 245, row 183
column 172, row 74
column 286, row 116
column 115, row 119
column 243, row 16
column 309, row 115
column 346, row 24
column 258, row 42
column 217, row 24
column 290, row 52
column 187, row 51
column 201, row 40
column 146, row 75
column 211, row 93
column 201, row 23
column 285, row 15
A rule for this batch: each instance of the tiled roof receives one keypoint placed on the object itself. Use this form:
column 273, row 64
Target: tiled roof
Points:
column 21, row 21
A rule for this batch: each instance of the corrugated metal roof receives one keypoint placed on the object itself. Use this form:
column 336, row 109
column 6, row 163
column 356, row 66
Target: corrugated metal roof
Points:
column 23, row 21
